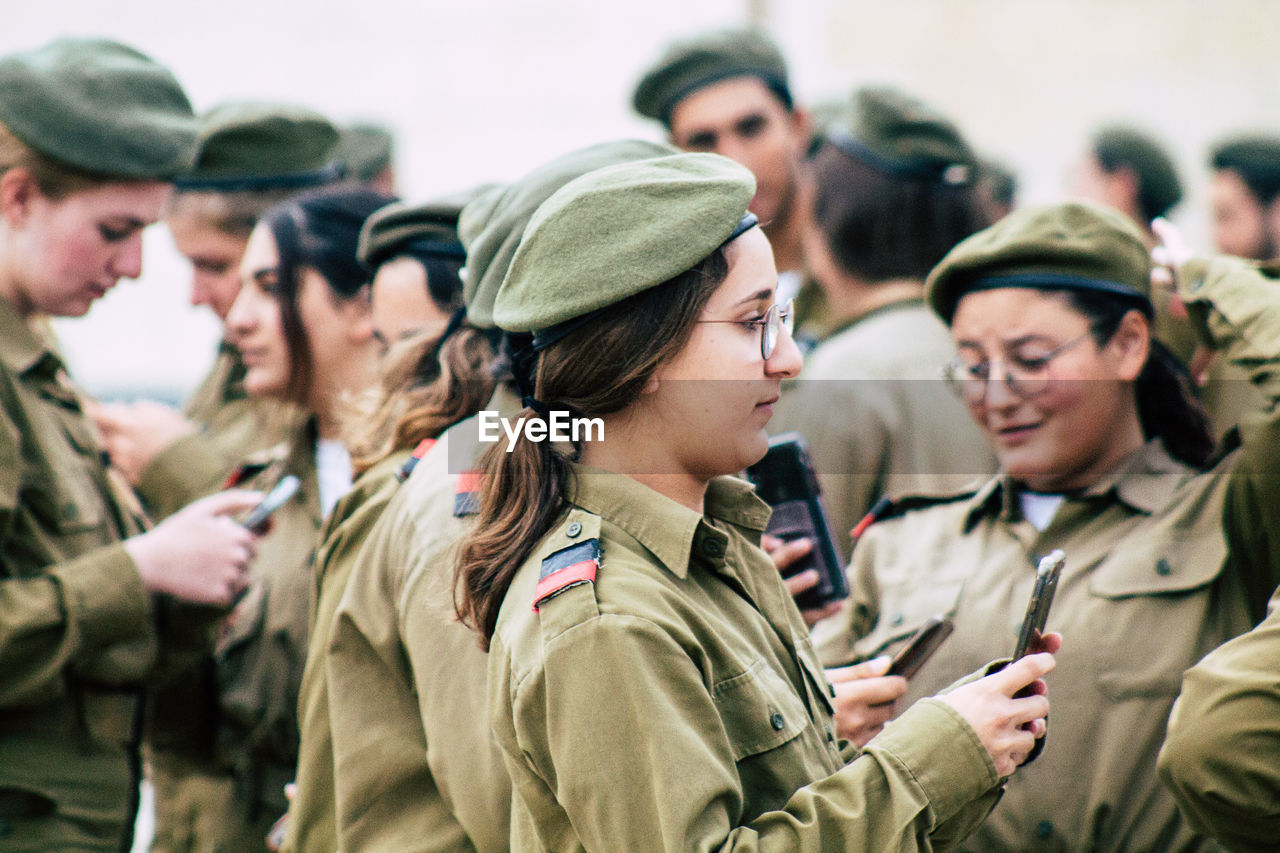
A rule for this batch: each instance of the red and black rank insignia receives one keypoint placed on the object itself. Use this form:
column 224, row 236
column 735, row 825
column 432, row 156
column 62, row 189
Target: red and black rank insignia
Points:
column 567, row 568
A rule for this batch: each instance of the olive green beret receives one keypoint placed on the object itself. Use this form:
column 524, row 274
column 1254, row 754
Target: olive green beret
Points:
column 687, row 66
column 254, row 145
column 100, row 107
column 618, row 231
column 492, row 224
column 900, row 135
column 1073, row 246
column 365, row 150
column 427, row 229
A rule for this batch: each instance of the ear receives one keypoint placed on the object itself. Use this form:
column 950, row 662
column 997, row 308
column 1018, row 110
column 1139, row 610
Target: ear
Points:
column 1132, row 341
column 802, row 127
column 651, row 386
column 1124, row 189
column 18, row 191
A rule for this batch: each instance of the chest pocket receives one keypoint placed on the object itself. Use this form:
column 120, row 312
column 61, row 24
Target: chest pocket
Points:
column 905, row 605
column 1153, row 613
column 65, row 502
column 759, row 709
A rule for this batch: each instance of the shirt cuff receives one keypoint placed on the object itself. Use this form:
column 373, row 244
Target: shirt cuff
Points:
column 942, row 753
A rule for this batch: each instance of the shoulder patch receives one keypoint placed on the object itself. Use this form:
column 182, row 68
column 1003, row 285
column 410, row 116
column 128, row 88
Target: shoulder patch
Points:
column 412, row 462
column 243, row 473
column 466, row 496
column 568, row 567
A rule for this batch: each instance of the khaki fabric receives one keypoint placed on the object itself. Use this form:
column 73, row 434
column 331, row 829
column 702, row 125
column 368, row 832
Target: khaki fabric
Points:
column 1150, row 586
column 878, row 419
column 256, row 671
column 77, row 630
column 1222, row 755
column 403, row 670
column 312, row 824
column 232, row 426
column 676, row 703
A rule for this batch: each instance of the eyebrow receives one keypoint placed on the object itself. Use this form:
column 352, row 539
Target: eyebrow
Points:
column 1010, row 344
column 767, row 293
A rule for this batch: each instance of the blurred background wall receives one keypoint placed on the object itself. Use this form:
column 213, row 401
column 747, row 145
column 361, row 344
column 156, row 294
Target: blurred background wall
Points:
column 484, row 90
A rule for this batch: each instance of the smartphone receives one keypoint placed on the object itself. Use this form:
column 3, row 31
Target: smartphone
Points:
column 923, row 643
column 1047, row 574
column 256, row 520
column 785, row 480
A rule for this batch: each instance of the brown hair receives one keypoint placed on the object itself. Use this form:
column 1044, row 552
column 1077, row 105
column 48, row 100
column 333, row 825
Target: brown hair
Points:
column 880, row 227
column 425, row 388
column 524, row 490
column 55, row 180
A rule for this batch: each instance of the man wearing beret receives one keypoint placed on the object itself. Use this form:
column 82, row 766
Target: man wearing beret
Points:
column 727, row 92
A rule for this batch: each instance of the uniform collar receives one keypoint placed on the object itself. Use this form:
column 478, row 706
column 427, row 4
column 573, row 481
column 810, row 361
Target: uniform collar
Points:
column 1145, row 482
column 21, row 348
column 886, row 308
column 667, row 529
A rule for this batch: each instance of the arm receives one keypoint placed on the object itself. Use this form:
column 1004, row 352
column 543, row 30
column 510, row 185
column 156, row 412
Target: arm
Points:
column 1222, row 754
column 620, row 726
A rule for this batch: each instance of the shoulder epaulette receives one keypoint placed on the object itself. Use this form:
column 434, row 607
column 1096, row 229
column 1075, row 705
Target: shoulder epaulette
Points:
column 243, row 473
column 466, row 496
column 412, row 462
column 901, row 506
column 566, row 568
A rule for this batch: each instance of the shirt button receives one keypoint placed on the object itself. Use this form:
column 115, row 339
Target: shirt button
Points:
column 573, row 529
column 1044, row 829
column 776, row 720
column 713, row 547
column 831, row 736
column 896, row 619
column 1163, row 569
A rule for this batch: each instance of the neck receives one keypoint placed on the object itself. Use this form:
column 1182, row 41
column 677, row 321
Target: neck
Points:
column 9, row 290
column 784, row 235
column 626, row 452
column 852, row 297
column 327, row 400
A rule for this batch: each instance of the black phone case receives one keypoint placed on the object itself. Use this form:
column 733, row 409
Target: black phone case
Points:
column 785, row 480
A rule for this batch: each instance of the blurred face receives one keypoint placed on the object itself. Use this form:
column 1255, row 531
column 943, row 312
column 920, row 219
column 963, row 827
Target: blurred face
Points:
column 215, row 261
column 402, row 305
column 68, row 253
column 1117, row 190
column 253, row 323
column 1239, row 219
column 740, row 118
column 1076, row 426
column 718, row 388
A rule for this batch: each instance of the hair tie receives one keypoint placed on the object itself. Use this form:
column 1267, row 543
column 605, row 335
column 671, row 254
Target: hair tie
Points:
column 531, row 402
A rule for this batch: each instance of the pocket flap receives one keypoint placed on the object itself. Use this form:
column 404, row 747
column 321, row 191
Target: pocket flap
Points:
column 1159, row 565
column 759, row 709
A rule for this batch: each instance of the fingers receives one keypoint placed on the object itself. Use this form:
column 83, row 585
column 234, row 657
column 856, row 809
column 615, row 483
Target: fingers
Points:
column 1050, row 642
column 786, row 554
column 802, row 582
column 872, row 691
column 230, row 502
column 866, row 669
column 814, row 616
column 1029, row 709
column 1020, row 673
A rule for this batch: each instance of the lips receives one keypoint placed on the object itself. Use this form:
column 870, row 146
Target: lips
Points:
column 1015, row 432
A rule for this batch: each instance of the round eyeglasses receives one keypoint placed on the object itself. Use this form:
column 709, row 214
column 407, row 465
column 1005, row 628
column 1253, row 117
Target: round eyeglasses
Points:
column 776, row 319
column 1024, row 377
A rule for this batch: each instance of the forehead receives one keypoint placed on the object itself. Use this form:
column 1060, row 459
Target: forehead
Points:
column 722, row 104
column 139, row 201
column 260, row 252
column 1007, row 313
column 751, row 270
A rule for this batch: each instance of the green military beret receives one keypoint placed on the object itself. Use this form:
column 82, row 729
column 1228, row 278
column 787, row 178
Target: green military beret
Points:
column 365, row 150
column 492, row 224
column 900, row 135
column 254, row 145
column 427, row 229
column 690, row 65
column 1073, row 246
column 618, row 231
column 100, row 107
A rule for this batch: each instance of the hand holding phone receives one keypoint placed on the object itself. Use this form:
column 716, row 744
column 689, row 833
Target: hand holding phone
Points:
column 923, row 643
column 256, row 521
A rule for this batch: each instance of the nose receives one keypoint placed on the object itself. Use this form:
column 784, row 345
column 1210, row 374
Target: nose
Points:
column 785, row 361
column 127, row 261
column 996, row 393
column 242, row 318
column 199, row 290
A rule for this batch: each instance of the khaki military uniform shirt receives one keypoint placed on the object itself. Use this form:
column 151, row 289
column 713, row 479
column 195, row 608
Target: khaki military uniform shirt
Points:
column 676, row 703
column 77, row 636
column 1149, row 587
column 312, row 825
column 402, row 670
column 878, row 418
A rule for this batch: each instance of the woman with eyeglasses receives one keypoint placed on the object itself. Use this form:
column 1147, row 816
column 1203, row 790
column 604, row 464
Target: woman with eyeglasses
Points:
column 651, row 683
column 1105, row 455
